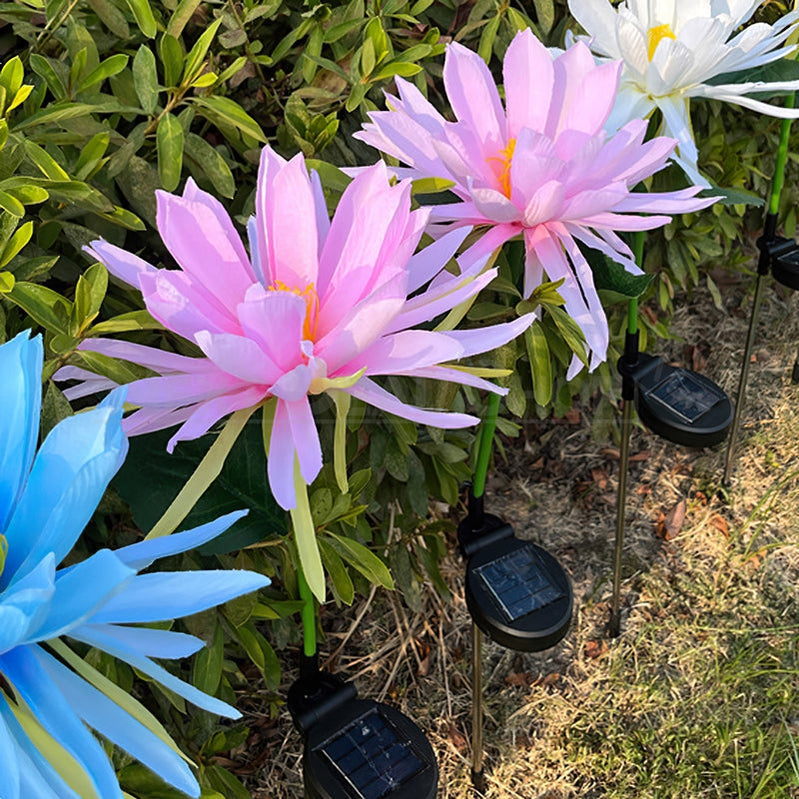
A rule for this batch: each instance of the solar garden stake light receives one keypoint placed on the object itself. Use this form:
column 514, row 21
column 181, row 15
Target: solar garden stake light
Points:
column 354, row 748
column 677, row 404
column 781, row 255
column 516, row 592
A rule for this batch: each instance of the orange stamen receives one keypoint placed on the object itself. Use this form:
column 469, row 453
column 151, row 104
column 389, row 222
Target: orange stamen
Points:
column 505, row 158
column 311, row 306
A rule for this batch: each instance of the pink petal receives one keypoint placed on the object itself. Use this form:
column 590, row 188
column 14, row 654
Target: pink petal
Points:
column 368, row 391
column 571, row 68
column 473, row 96
column 182, row 305
column 158, row 360
column 306, row 438
column 207, row 414
column 274, row 320
column 120, row 263
column 173, row 390
column 148, row 420
column 239, row 356
column 280, row 463
column 286, row 207
column 203, row 241
column 406, row 351
column 427, row 263
column 485, row 339
column 527, row 99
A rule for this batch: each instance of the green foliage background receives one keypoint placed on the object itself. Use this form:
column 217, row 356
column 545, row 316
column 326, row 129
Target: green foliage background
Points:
column 102, row 102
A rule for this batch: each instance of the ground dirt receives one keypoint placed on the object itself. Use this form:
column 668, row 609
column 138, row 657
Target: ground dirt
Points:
column 710, row 588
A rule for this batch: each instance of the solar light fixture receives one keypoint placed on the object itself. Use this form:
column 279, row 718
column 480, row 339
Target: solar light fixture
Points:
column 781, row 257
column 517, row 594
column 677, row 404
column 357, row 748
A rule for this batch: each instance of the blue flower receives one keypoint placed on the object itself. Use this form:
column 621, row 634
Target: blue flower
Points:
column 46, row 499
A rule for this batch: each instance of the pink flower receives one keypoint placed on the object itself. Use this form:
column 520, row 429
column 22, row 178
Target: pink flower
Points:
column 318, row 305
column 542, row 166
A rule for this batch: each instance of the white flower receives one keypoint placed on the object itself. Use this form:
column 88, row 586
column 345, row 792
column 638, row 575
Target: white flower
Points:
column 672, row 48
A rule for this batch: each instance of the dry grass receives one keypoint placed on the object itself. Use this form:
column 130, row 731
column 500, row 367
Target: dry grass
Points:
column 699, row 697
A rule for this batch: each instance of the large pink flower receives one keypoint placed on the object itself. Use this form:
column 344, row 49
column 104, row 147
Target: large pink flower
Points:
column 318, row 305
column 542, row 166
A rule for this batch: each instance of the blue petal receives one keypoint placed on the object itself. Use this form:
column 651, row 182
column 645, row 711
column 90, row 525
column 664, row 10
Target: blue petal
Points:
column 24, row 607
column 163, row 596
column 150, row 642
column 69, row 475
column 116, row 724
column 38, row 779
column 22, row 670
column 82, row 592
column 9, row 773
column 142, row 554
column 95, row 637
column 20, row 405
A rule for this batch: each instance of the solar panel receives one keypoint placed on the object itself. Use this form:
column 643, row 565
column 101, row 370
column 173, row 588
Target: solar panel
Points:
column 685, row 396
column 519, row 582
column 372, row 757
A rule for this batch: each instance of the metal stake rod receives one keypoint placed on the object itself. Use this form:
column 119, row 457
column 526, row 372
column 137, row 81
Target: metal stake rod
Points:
column 624, row 467
column 795, row 372
column 478, row 777
column 741, row 397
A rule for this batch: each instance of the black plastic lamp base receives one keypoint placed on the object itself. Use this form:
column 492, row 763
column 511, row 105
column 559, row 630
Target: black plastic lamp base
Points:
column 516, row 592
column 358, row 748
column 680, row 405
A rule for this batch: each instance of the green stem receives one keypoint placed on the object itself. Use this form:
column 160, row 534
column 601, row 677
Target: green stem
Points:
column 308, row 616
column 782, row 158
column 632, row 309
column 484, row 447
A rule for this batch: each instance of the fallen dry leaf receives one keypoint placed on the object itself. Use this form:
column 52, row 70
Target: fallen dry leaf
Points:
column 595, row 649
column 669, row 526
column 720, row 523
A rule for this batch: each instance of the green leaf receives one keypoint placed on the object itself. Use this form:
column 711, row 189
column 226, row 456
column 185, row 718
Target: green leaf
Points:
column 11, row 204
column 196, row 56
column 126, row 322
column 91, row 154
column 20, row 238
column 180, row 16
column 363, row 559
column 89, row 295
column 172, row 58
column 343, row 588
column 11, row 75
column 540, row 363
column 212, row 163
column 734, row 196
column 229, row 112
column 260, row 653
column 169, row 143
column 111, row 17
column 487, row 37
column 56, row 113
column 49, row 167
column 150, row 478
column 145, row 79
column 206, row 672
column 45, row 70
column 394, row 68
column 144, row 17
column 112, row 65
column 46, row 307
column 613, row 280
column 545, row 14
column 7, row 281
column 570, row 331
column 785, row 69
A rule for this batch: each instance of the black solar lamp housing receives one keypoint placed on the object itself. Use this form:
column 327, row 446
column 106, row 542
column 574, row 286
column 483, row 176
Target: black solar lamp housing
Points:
column 358, row 748
column 678, row 404
column 517, row 593
column 779, row 254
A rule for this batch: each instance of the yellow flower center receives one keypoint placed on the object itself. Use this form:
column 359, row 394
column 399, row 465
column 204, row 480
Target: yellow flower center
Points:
column 504, row 158
column 311, row 306
column 655, row 35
